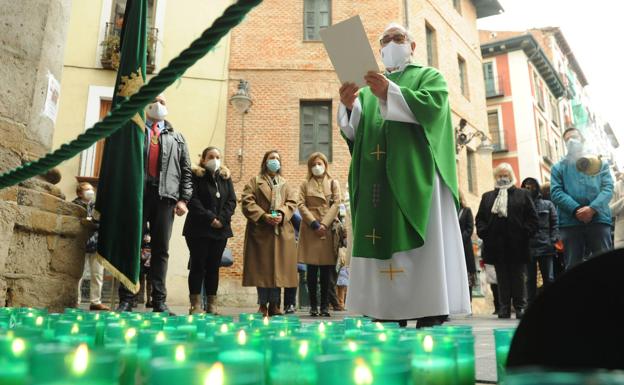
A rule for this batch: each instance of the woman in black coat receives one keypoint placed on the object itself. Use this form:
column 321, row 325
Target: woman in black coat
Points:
column 207, row 226
column 466, row 225
column 505, row 221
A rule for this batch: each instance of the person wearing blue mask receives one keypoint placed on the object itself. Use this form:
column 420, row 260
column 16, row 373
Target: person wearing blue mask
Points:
column 270, row 252
column 582, row 203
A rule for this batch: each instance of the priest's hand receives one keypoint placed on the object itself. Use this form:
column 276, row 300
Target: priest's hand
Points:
column 378, row 84
column 348, row 93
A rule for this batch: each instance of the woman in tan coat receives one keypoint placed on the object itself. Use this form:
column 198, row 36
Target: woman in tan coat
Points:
column 319, row 202
column 270, row 250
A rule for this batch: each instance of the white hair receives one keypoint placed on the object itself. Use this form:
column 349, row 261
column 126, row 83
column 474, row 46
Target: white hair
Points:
column 505, row 167
column 401, row 28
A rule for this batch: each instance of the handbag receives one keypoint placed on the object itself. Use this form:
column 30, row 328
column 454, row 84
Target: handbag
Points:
column 227, row 259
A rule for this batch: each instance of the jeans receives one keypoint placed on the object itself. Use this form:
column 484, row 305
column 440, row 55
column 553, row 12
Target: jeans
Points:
column 268, row 295
column 205, row 262
column 546, row 268
column 594, row 238
column 511, row 279
column 159, row 213
column 312, row 280
column 96, row 282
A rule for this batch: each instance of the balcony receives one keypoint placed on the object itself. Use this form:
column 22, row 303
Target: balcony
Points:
column 494, row 87
column 110, row 48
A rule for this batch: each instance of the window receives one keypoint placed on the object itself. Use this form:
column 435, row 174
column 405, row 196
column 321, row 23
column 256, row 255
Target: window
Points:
column 463, row 76
column 554, row 111
column 315, row 133
column 492, row 83
column 432, row 46
column 545, row 146
column 471, row 171
column 539, row 93
column 457, row 6
column 316, row 16
column 496, row 133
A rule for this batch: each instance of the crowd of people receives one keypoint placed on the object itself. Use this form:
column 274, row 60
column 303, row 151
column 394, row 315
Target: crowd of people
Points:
column 553, row 228
column 411, row 254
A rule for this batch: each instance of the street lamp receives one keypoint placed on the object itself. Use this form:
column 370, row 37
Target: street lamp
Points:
column 462, row 138
column 241, row 99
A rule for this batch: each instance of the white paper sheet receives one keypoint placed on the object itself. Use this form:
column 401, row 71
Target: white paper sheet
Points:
column 350, row 52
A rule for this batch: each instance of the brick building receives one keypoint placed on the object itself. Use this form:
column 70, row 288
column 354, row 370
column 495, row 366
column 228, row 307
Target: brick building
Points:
column 294, row 89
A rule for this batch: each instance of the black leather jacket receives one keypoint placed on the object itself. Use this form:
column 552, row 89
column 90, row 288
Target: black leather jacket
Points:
column 175, row 180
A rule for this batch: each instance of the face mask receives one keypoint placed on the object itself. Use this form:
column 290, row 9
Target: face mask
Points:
column 318, row 170
column 157, row 111
column 212, row 164
column 89, row 195
column 504, row 181
column 273, row 165
column 395, row 55
column 574, row 146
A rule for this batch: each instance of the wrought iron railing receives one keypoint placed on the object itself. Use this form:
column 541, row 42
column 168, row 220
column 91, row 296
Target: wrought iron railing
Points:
column 110, row 47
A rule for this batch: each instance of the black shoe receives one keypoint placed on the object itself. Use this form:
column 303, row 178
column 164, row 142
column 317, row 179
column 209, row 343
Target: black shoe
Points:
column 430, row 321
column 149, row 304
column 124, row 306
column 325, row 313
column 519, row 314
column 290, row 309
column 161, row 307
column 505, row 316
column 314, row 312
column 402, row 323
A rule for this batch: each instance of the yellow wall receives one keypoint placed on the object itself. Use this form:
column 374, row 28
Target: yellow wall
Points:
column 197, row 102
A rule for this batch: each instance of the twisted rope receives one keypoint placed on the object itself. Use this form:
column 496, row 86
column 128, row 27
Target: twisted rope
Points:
column 232, row 16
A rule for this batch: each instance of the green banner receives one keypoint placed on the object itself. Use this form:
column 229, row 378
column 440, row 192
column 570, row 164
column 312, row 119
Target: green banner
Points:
column 120, row 187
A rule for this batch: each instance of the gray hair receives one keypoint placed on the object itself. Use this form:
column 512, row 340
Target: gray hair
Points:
column 505, row 167
column 401, row 28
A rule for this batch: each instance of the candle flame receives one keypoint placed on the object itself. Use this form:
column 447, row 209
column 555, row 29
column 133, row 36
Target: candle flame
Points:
column 215, row 375
column 130, row 334
column 358, row 324
column 379, row 326
column 321, row 328
column 224, row 328
column 190, row 319
column 122, row 322
column 362, row 373
column 242, row 337
column 79, row 318
column 352, row 346
column 383, row 337
column 250, row 317
column 81, row 359
column 39, row 321
column 180, row 353
column 97, row 316
column 75, row 329
column 282, row 333
column 265, row 321
column 304, row 346
column 428, row 344
column 18, row 346
column 160, row 336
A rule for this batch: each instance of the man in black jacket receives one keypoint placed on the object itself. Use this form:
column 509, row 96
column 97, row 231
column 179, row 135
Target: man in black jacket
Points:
column 542, row 243
column 168, row 188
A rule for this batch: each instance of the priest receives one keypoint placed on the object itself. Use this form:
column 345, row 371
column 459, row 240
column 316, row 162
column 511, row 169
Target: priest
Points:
column 408, row 260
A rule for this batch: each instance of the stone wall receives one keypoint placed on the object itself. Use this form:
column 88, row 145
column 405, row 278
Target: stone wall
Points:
column 41, row 237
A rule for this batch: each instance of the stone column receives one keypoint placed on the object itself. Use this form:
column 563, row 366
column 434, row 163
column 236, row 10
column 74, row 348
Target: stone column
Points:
column 41, row 237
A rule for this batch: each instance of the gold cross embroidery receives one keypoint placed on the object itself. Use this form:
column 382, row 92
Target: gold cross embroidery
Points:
column 378, row 152
column 392, row 272
column 373, row 236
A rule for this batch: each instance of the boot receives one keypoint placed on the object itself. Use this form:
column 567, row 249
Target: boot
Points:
column 212, row 304
column 195, row 304
column 274, row 309
column 264, row 310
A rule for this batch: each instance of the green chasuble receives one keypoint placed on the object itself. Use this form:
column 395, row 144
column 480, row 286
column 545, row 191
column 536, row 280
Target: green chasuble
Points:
column 394, row 163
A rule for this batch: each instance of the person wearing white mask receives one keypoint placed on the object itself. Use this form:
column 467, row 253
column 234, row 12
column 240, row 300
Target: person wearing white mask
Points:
column 582, row 203
column 505, row 222
column 86, row 199
column 319, row 203
column 408, row 257
column 168, row 188
column 208, row 227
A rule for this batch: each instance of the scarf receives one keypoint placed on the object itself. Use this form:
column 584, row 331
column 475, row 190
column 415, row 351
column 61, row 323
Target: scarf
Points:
column 500, row 204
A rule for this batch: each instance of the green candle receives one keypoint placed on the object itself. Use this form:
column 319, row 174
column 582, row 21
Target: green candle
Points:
column 502, row 341
column 243, row 367
column 13, row 366
column 434, row 362
column 340, row 369
column 295, row 373
column 166, row 372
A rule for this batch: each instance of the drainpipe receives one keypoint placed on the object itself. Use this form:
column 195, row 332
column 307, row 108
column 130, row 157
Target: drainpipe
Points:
column 406, row 14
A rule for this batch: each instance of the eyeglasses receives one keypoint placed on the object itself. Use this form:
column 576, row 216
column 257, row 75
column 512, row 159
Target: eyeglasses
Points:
column 398, row 38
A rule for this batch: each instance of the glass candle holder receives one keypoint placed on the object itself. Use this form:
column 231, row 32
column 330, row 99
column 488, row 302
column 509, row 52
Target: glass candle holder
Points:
column 434, row 361
column 166, row 372
column 243, row 367
column 336, row 369
column 502, row 342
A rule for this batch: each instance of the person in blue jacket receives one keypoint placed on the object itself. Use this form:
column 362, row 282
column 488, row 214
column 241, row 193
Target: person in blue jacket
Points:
column 582, row 203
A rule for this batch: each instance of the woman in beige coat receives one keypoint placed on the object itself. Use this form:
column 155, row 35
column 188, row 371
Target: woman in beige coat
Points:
column 319, row 202
column 270, row 251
